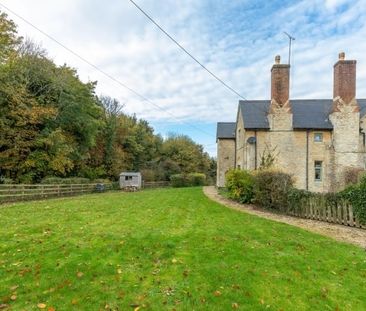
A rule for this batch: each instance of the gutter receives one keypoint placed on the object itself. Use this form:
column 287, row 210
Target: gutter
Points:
column 255, row 150
column 307, row 160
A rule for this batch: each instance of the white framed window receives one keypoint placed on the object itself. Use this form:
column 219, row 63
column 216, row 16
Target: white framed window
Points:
column 318, row 170
column 318, row 137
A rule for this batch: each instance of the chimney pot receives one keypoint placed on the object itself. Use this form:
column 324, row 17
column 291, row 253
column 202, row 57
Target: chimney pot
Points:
column 278, row 59
column 342, row 56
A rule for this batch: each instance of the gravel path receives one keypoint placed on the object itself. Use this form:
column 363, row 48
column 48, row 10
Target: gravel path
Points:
column 338, row 232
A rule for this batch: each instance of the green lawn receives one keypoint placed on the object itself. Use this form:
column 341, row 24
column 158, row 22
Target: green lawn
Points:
column 169, row 249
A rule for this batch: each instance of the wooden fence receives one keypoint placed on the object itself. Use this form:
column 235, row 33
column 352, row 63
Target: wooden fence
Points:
column 318, row 208
column 22, row 192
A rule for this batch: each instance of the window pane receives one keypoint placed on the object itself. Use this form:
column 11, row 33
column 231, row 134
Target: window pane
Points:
column 318, row 137
column 318, row 170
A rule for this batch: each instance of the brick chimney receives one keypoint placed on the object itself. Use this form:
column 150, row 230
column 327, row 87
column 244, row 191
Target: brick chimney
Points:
column 280, row 82
column 344, row 79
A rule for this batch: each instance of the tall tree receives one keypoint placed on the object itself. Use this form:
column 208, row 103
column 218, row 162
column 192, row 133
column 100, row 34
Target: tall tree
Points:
column 8, row 37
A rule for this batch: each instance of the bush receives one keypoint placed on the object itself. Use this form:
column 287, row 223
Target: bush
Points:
column 101, row 181
column 356, row 195
column 353, row 175
column 179, row 180
column 115, row 185
column 271, row 189
column 196, row 179
column 188, row 180
column 6, row 181
column 240, row 185
column 59, row 180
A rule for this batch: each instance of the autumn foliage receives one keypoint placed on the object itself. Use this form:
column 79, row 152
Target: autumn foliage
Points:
column 52, row 124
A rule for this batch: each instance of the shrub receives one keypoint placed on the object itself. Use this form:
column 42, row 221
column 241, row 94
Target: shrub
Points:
column 52, row 180
column 6, row 181
column 196, row 179
column 59, row 180
column 179, row 180
column 296, row 199
column 271, row 189
column 115, row 185
column 352, row 175
column 188, row 180
column 101, row 181
column 92, row 173
column 356, row 195
column 239, row 184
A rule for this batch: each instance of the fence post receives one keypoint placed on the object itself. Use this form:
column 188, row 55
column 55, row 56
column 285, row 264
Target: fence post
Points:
column 350, row 213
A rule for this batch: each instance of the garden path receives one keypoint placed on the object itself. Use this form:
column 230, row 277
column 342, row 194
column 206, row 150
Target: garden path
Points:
column 338, row 232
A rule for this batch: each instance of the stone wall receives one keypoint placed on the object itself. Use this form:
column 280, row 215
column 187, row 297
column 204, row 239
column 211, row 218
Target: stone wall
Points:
column 290, row 151
column 225, row 159
column 346, row 139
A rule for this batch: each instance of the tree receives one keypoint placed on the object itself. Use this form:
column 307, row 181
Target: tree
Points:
column 180, row 154
column 9, row 40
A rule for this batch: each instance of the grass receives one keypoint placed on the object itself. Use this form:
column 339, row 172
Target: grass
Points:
column 168, row 249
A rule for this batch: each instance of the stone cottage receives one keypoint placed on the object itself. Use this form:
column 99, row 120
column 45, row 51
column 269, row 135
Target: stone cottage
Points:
column 315, row 140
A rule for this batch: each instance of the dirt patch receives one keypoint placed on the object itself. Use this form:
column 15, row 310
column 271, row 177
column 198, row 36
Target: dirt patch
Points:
column 338, row 232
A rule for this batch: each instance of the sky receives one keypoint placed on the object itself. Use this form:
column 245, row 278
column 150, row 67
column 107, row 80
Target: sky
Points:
column 236, row 39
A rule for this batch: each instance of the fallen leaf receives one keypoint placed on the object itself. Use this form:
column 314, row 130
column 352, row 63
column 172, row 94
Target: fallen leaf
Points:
column 51, row 309
column 42, row 305
column 14, row 287
column 217, row 293
column 74, row 301
column 3, row 306
column 119, row 271
column 134, row 305
column 13, row 297
column 79, row 274
column 174, row 260
column 234, row 305
column 136, row 309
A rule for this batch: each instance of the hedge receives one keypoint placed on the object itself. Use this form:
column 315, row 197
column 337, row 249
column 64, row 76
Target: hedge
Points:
column 271, row 189
column 274, row 190
column 188, row 180
column 60, row 180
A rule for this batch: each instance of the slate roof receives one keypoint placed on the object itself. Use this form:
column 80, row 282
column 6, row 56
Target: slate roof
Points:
column 225, row 130
column 307, row 113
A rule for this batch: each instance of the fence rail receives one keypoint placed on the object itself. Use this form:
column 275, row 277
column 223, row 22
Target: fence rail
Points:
column 317, row 208
column 22, row 192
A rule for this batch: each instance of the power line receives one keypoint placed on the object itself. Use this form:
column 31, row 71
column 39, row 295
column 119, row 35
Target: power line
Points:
column 103, row 72
column 185, row 51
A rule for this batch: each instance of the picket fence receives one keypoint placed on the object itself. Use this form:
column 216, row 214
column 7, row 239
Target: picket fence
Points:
column 22, row 192
column 318, row 208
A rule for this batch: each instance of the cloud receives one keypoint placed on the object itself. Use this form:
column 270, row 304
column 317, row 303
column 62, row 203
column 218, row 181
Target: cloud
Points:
column 237, row 40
